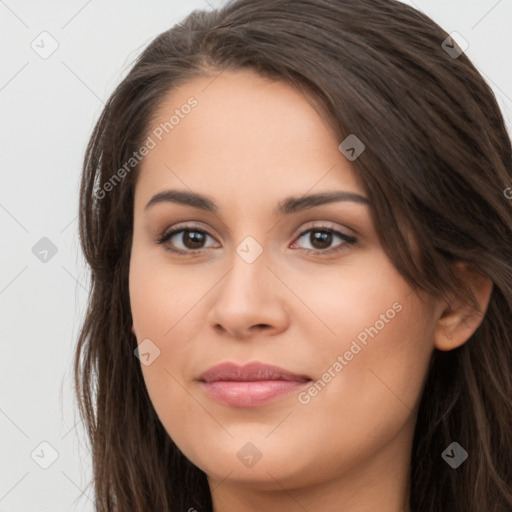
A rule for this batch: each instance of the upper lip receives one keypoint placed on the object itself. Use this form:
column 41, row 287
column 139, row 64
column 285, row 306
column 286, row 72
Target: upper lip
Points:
column 254, row 371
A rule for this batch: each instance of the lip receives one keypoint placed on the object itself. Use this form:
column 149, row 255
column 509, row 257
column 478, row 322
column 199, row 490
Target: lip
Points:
column 251, row 385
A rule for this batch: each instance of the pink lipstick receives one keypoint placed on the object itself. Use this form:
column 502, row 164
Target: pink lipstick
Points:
column 250, row 385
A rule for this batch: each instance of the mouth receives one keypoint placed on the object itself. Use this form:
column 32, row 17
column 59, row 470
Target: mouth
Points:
column 251, row 385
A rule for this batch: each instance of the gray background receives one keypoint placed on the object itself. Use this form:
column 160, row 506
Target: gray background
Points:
column 48, row 108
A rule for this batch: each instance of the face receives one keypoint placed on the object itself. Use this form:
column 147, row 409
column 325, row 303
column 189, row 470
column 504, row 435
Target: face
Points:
column 306, row 288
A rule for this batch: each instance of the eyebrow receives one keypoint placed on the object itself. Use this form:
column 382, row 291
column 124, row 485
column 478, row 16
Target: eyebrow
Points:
column 285, row 207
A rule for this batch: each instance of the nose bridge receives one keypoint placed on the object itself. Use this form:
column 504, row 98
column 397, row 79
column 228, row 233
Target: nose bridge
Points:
column 249, row 262
column 246, row 295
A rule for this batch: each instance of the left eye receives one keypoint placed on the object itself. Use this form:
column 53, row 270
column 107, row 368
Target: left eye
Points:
column 321, row 238
column 192, row 240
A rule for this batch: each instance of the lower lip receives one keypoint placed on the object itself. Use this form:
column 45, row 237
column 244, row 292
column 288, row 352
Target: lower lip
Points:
column 250, row 393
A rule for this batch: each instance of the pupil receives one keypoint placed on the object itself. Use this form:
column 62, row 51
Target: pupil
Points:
column 323, row 237
column 196, row 238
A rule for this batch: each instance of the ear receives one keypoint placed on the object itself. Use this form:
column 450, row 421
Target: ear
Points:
column 459, row 319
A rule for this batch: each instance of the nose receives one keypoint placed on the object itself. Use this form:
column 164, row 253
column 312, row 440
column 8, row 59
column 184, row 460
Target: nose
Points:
column 249, row 300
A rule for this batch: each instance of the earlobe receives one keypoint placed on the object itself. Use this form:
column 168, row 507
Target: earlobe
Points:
column 459, row 319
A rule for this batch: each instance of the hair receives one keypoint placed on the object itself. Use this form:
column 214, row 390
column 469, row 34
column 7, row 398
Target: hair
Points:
column 436, row 163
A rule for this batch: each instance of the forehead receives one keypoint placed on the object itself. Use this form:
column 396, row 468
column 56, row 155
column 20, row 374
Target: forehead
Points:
column 240, row 133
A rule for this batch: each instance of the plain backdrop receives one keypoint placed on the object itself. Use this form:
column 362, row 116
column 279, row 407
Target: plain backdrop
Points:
column 49, row 104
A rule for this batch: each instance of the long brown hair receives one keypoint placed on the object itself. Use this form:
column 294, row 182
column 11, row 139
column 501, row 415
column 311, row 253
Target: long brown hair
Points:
column 438, row 159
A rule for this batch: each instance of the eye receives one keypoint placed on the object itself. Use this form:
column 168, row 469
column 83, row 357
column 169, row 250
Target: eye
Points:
column 192, row 239
column 321, row 238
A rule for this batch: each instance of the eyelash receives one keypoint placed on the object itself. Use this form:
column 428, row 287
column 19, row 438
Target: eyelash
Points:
column 347, row 240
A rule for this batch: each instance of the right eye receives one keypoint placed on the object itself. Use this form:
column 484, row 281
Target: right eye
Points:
column 192, row 239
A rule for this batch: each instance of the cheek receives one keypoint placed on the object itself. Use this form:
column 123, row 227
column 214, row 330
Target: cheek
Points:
column 370, row 369
column 382, row 335
column 162, row 321
column 167, row 306
column 364, row 301
column 161, row 295
column 371, row 378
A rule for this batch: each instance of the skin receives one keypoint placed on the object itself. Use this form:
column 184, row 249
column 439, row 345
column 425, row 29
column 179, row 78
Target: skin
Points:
column 248, row 144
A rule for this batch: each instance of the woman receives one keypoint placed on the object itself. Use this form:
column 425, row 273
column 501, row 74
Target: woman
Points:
column 223, row 364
